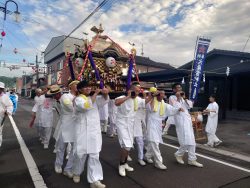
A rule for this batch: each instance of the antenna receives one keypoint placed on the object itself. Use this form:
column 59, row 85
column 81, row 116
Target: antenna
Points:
column 142, row 53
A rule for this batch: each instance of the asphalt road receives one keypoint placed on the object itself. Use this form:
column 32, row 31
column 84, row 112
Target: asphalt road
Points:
column 14, row 172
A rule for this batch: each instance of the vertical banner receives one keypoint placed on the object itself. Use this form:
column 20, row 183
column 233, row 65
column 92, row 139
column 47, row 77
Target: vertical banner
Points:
column 197, row 72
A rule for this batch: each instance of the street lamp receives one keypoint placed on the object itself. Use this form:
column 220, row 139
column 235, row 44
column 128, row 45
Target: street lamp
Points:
column 25, row 84
column 16, row 13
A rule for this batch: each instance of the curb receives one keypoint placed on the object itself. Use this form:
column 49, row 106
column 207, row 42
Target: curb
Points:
column 226, row 153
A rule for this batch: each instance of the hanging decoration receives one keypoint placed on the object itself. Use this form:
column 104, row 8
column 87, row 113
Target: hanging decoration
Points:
column 183, row 81
column 3, row 33
column 228, row 71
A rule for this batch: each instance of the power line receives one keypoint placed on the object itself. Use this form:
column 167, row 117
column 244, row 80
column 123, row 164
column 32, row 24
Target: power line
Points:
column 87, row 18
column 246, row 44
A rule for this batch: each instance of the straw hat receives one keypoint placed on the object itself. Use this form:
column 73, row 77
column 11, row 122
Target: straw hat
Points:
column 152, row 89
column 73, row 82
column 54, row 89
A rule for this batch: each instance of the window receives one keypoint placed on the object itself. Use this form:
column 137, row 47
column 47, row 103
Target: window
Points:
column 60, row 65
column 49, row 69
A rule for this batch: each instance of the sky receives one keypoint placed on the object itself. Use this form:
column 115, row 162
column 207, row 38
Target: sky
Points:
column 167, row 28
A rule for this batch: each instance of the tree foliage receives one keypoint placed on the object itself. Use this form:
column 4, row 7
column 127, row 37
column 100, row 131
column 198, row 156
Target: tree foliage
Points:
column 9, row 82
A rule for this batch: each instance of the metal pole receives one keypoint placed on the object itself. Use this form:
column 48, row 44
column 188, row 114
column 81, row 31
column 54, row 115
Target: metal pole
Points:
column 190, row 83
column 5, row 7
column 37, row 73
column 25, row 85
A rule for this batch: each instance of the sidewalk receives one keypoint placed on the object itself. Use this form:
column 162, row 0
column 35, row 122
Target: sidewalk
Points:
column 235, row 136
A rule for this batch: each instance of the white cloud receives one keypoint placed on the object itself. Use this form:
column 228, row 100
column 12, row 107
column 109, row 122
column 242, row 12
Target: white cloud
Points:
column 226, row 22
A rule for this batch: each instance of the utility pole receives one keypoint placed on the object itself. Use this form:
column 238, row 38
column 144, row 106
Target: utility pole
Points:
column 37, row 72
column 25, row 86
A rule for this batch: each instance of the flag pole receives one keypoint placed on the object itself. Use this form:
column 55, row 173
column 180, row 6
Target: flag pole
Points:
column 190, row 82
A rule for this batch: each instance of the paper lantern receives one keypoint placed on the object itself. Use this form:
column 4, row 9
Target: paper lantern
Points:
column 110, row 62
column 79, row 62
column 3, row 33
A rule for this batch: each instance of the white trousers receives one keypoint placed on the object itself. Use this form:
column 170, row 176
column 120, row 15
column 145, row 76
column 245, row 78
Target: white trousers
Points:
column 61, row 147
column 140, row 146
column 1, row 135
column 111, row 129
column 94, row 167
column 212, row 138
column 153, row 151
column 104, row 124
column 39, row 131
column 46, row 134
column 165, row 130
column 191, row 152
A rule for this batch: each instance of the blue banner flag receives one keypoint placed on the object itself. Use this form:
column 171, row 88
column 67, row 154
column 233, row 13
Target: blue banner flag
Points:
column 197, row 72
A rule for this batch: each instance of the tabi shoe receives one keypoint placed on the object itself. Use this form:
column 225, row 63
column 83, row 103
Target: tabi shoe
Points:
column 76, row 178
column 68, row 174
column 58, row 169
column 128, row 168
column 150, row 161
column 122, row 170
column 67, row 157
column 141, row 162
column 209, row 145
column 97, row 184
column 217, row 143
column 160, row 166
column 129, row 158
column 195, row 163
column 179, row 159
column 45, row 146
column 111, row 136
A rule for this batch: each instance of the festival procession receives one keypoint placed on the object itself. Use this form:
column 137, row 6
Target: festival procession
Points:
column 123, row 94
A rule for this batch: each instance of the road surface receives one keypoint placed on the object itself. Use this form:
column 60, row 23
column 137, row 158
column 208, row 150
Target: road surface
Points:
column 14, row 172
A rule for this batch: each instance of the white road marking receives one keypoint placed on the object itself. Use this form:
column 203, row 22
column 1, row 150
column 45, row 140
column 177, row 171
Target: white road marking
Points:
column 213, row 159
column 32, row 167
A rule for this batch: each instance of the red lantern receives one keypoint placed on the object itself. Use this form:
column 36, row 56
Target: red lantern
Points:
column 3, row 33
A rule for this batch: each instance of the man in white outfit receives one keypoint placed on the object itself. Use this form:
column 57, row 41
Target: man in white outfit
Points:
column 212, row 122
column 6, row 107
column 139, row 126
column 66, row 132
column 127, row 106
column 47, row 114
column 157, row 111
column 36, row 110
column 171, row 101
column 185, row 132
column 88, row 134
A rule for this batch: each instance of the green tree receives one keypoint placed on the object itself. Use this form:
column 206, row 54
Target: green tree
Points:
column 9, row 82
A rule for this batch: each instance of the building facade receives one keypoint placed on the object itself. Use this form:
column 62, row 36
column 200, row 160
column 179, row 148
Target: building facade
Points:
column 232, row 91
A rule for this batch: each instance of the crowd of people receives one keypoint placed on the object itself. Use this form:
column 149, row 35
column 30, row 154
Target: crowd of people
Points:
column 136, row 118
